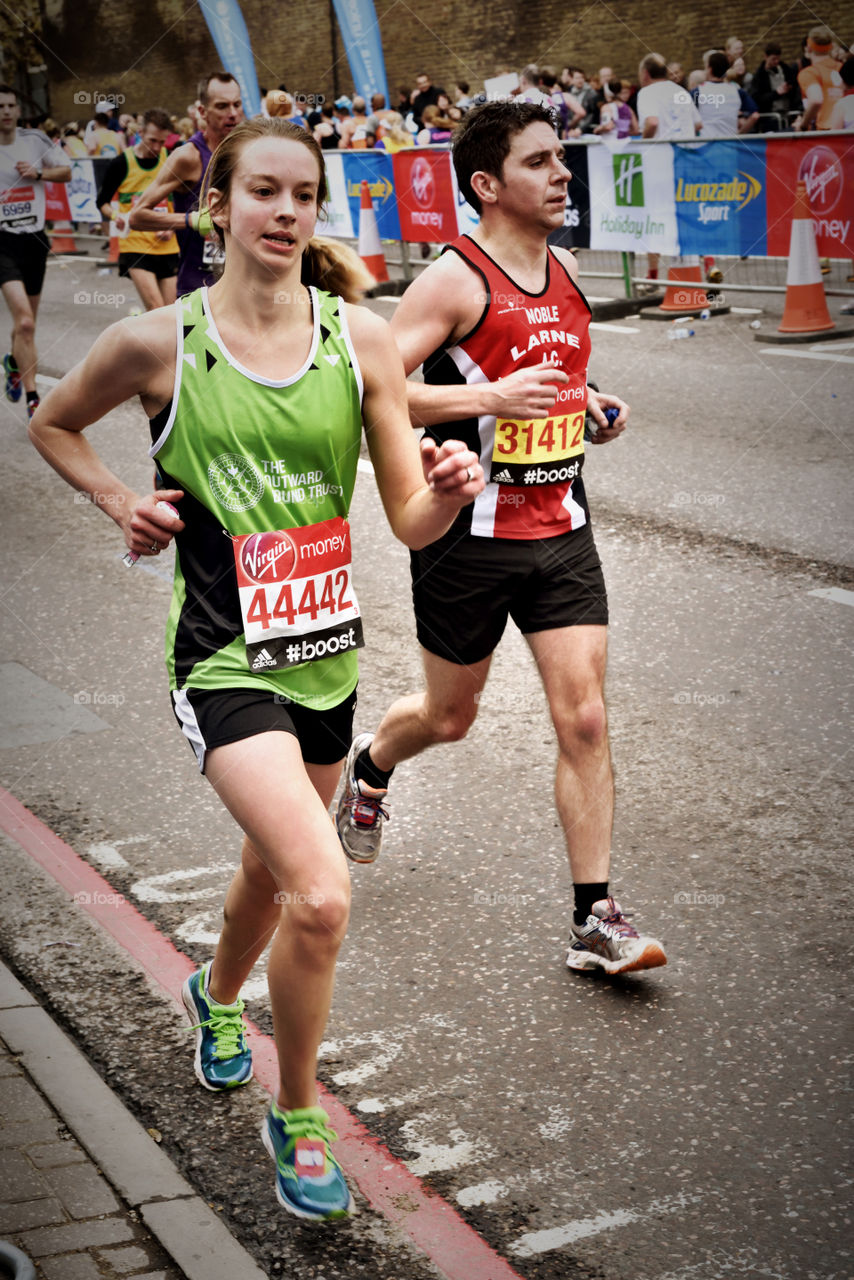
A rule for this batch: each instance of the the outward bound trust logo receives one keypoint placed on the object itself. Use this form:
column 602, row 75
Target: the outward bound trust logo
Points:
column 628, row 180
column 234, row 482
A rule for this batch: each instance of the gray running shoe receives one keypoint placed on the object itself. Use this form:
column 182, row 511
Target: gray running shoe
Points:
column 361, row 812
column 607, row 941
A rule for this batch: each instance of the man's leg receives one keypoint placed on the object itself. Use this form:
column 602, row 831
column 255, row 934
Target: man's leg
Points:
column 168, row 290
column 23, row 310
column 443, row 712
column 147, row 286
column 571, row 662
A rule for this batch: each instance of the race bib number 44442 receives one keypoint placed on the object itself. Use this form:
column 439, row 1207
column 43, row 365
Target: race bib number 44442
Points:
column 296, row 595
column 539, row 450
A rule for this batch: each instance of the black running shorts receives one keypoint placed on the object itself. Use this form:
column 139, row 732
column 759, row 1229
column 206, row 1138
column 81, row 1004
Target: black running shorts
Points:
column 464, row 588
column 163, row 265
column 23, row 257
column 214, row 717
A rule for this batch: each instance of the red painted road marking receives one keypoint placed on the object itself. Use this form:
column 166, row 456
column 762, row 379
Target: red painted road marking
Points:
column 388, row 1186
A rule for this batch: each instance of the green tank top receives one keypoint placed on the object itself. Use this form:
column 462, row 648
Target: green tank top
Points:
column 253, row 456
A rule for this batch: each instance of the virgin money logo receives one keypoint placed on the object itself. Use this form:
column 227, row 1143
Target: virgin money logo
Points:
column 422, row 182
column 268, row 557
column 821, row 170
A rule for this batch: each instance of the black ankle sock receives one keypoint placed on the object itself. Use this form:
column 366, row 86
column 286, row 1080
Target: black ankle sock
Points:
column 366, row 771
column 585, row 896
column 32, row 395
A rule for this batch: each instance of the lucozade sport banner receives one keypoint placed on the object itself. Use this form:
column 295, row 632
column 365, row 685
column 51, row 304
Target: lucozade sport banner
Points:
column 720, row 198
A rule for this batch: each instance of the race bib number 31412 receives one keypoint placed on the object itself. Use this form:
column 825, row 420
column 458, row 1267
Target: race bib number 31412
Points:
column 539, row 450
column 296, row 595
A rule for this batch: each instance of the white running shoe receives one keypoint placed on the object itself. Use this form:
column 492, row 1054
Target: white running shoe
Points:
column 607, row 941
column 361, row 810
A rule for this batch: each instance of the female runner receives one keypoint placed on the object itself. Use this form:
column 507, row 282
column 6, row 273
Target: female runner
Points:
column 256, row 390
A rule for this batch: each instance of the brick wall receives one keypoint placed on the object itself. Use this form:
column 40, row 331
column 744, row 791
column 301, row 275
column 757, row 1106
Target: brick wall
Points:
column 153, row 52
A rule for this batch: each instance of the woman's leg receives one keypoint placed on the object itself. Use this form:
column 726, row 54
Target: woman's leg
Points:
column 301, row 889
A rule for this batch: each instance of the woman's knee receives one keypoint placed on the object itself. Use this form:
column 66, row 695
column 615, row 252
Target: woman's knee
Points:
column 318, row 913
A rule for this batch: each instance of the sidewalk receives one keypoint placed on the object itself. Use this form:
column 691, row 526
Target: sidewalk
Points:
column 85, row 1192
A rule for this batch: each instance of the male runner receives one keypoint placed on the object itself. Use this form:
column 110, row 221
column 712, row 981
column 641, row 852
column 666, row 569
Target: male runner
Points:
column 148, row 258
column 220, row 109
column 28, row 159
column 502, row 331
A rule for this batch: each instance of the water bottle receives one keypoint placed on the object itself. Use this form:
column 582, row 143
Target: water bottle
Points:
column 679, row 332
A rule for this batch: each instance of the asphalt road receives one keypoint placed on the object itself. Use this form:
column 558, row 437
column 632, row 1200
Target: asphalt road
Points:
column 685, row 1125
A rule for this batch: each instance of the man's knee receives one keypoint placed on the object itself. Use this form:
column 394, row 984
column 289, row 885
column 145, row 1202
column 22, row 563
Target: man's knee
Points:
column 451, row 723
column 583, row 726
column 24, row 326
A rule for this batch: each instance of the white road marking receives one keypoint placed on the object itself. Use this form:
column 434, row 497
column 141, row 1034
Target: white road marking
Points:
column 746, row 311
column 836, row 594
column 613, row 328
column 107, row 855
column 365, row 466
column 155, row 888
column 831, row 346
column 438, row 1157
column 536, row 1242
column 482, row 1193
column 373, row 1105
column 826, row 354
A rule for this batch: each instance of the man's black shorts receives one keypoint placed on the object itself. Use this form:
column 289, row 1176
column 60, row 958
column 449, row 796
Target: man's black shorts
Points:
column 23, row 257
column 214, row 717
column 464, row 588
column 163, row 265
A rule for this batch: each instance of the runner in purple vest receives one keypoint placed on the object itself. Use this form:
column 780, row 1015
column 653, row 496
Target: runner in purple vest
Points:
column 181, row 177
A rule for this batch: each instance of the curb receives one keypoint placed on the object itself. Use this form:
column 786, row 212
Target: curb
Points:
column 817, row 335
column 140, row 1173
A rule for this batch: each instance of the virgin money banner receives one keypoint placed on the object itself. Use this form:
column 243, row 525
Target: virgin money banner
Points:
column 631, row 199
column 720, row 198
column 827, row 168
column 425, row 196
column 361, row 35
column 56, row 206
column 229, row 34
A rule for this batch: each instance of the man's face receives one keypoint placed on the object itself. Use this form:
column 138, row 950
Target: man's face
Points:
column 605, row 74
column 674, row 71
column 422, row 83
column 578, row 79
column 772, row 61
column 152, row 140
column 534, row 178
column 223, row 109
column 735, row 50
column 9, row 111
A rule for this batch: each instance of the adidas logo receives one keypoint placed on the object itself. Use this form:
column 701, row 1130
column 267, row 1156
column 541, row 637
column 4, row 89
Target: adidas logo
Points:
column 263, row 659
column 503, row 477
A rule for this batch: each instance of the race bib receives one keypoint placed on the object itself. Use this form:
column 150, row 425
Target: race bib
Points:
column 296, row 595
column 18, row 208
column 538, row 450
column 213, row 254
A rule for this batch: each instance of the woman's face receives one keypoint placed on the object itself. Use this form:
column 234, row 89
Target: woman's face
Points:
column 273, row 204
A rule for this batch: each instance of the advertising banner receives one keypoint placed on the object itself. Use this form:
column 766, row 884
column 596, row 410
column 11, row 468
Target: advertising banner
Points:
column 720, row 198
column 827, row 167
column 335, row 219
column 56, row 206
column 229, row 34
column 360, row 33
column 81, row 192
column 425, row 196
column 376, row 167
column 631, row 199
column 575, row 232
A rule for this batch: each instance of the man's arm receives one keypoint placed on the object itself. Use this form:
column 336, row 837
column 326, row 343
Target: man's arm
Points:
column 182, row 169
column 441, row 306
column 650, row 127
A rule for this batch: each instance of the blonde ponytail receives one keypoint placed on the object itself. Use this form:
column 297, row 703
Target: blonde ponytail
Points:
column 328, row 264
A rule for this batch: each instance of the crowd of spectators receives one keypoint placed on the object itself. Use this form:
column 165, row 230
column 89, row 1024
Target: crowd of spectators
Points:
column 813, row 89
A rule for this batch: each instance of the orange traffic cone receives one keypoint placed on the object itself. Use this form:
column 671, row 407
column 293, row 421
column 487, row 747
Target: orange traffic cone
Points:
column 684, row 295
column 805, row 313
column 370, row 249
column 806, row 306
column 62, row 238
column 115, row 241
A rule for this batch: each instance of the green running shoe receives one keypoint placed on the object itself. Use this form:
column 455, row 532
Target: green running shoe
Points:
column 223, row 1059
column 309, row 1181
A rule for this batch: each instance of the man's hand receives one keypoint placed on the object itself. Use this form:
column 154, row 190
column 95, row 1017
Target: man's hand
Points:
column 597, row 403
column 451, row 469
column 27, row 170
column 527, row 393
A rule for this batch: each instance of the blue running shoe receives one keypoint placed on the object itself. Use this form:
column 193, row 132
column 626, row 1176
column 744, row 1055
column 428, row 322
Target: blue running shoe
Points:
column 223, row 1059
column 309, row 1181
column 13, row 378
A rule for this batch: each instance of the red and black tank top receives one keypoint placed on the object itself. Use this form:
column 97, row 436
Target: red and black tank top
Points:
column 533, row 467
